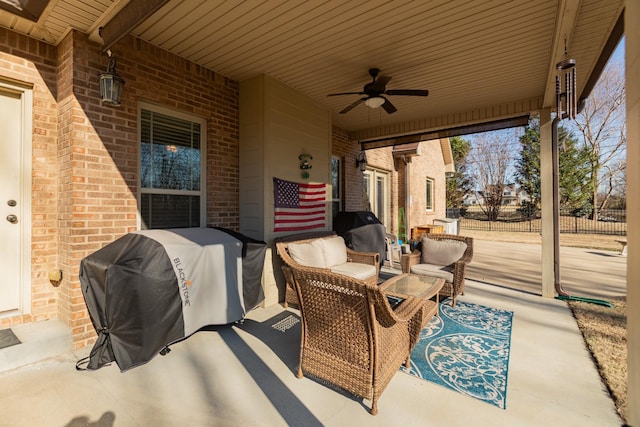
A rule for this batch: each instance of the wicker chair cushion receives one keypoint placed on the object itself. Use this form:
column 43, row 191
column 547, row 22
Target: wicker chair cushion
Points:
column 335, row 251
column 432, row 270
column 309, row 254
column 355, row 270
column 441, row 252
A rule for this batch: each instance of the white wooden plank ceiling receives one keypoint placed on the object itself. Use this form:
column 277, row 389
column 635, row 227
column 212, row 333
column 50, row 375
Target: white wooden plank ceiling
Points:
column 478, row 59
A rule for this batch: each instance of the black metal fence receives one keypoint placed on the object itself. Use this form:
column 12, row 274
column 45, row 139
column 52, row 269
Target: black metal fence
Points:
column 520, row 219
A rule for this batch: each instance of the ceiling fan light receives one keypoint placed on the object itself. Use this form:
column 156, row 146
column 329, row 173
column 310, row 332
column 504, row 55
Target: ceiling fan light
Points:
column 374, row 101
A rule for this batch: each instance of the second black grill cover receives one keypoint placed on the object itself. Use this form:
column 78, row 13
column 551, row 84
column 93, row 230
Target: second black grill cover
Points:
column 362, row 231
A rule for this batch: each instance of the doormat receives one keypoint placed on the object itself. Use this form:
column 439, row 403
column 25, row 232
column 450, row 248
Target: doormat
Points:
column 8, row 338
column 466, row 348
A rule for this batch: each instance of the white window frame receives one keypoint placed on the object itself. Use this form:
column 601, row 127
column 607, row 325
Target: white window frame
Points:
column 371, row 177
column 202, row 193
column 430, row 199
column 340, row 183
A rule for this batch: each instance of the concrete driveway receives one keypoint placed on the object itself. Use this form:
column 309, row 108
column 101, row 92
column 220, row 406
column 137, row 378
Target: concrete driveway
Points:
column 591, row 273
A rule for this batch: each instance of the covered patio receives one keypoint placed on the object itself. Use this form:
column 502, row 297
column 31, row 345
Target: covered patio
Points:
column 245, row 375
column 487, row 66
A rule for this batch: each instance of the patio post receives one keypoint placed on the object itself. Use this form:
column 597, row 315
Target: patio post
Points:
column 632, row 69
column 546, row 184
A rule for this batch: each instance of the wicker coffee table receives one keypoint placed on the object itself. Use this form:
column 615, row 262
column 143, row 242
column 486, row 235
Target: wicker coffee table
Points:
column 409, row 286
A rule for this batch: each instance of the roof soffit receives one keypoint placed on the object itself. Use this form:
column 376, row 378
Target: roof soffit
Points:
column 481, row 61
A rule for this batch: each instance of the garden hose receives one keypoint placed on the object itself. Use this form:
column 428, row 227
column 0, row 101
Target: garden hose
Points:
column 584, row 299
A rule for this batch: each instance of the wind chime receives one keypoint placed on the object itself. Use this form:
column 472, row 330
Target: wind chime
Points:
column 566, row 101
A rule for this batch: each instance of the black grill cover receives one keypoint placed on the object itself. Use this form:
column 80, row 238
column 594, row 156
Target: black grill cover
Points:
column 345, row 221
column 152, row 288
column 362, row 231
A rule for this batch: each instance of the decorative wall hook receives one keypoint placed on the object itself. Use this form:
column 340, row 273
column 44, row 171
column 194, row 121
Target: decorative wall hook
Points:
column 305, row 164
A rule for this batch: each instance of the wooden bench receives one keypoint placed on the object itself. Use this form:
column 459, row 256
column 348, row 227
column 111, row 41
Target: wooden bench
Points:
column 623, row 251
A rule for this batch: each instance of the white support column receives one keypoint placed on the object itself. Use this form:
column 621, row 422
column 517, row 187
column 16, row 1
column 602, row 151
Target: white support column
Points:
column 632, row 59
column 546, row 190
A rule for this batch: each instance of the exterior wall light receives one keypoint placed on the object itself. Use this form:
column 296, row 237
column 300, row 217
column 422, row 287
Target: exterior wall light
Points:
column 111, row 84
column 361, row 161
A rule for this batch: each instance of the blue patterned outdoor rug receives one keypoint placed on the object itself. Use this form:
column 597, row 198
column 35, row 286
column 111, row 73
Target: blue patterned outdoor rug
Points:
column 466, row 349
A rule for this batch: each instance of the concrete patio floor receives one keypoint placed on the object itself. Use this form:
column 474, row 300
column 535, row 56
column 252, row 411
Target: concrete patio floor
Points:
column 245, row 375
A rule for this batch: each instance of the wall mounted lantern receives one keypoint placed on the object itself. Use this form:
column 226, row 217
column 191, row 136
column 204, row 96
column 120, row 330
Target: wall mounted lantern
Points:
column 111, row 84
column 305, row 164
column 361, row 161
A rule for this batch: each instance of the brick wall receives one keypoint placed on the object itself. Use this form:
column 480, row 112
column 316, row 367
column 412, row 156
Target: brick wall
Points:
column 380, row 158
column 29, row 61
column 100, row 155
column 85, row 155
column 428, row 164
column 347, row 150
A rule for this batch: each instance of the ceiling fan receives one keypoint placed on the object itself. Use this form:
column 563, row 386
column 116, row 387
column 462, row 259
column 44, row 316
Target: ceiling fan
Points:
column 375, row 92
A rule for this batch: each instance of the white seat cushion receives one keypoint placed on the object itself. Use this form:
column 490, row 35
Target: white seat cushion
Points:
column 308, row 254
column 335, row 251
column 355, row 269
column 441, row 252
column 433, row 270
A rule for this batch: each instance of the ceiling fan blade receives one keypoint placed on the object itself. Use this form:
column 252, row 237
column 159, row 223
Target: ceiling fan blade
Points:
column 352, row 106
column 380, row 83
column 407, row 92
column 347, row 93
column 389, row 107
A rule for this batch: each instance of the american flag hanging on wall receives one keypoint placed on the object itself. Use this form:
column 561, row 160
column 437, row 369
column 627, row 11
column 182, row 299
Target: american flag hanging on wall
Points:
column 298, row 206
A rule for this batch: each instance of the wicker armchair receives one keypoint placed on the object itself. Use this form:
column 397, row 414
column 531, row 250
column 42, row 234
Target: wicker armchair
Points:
column 351, row 337
column 452, row 273
column 282, row 248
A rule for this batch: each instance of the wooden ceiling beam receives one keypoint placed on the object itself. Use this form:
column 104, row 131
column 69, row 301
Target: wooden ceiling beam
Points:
column 134, row 13
column 448, row 132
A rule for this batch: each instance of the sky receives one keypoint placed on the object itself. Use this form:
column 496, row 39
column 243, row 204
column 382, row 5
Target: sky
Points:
column 511, row 136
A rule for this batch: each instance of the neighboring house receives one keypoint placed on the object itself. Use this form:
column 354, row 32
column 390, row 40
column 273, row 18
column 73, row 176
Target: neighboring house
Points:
column 88, row 173
column 473, row 198
column 512, row 195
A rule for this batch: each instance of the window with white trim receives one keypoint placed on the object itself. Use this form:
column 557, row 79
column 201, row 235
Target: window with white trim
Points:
column 172, row 166
column 429, row 194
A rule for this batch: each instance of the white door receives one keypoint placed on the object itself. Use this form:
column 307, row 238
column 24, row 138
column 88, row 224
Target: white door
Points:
column 13, row 209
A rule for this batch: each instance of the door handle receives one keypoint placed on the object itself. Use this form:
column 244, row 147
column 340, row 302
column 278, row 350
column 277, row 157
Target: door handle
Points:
column 12, row 219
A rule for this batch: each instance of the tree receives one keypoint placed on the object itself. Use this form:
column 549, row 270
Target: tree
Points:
column 459, row 182
column 492, row 160
column 528, row 164
column 573, row 164
column 574, row 172
column 602, row 127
